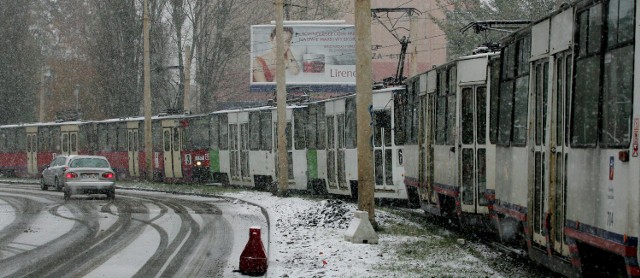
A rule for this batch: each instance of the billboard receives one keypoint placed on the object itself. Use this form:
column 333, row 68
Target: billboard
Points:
column 318, row 57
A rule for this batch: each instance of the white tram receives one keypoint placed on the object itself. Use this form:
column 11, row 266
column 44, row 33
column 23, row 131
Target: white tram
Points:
column 568, row 115
column 321, row 146
column 452, row 161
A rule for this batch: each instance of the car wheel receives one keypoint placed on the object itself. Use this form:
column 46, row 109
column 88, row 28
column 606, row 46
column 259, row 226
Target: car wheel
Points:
column 58, row 186
column 43, row 186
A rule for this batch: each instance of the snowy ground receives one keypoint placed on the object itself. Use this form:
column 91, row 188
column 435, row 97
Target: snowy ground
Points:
column 307, row 240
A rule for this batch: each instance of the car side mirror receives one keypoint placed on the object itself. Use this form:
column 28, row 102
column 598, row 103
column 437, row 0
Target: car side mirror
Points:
column 46, row 166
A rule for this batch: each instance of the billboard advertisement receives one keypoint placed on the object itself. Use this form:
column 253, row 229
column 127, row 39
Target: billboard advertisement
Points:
column 318, row 57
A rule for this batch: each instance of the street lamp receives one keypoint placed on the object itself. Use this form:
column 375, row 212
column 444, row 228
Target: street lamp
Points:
column 76, row 92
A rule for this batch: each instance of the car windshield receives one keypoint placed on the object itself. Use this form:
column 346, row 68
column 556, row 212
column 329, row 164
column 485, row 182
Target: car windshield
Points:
column 89, row 163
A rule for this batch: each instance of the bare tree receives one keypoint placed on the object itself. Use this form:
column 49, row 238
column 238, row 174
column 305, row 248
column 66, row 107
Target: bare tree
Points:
column 21, row 60
column 114, row 49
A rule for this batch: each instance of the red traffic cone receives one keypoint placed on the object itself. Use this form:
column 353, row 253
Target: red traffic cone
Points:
column 253, row 260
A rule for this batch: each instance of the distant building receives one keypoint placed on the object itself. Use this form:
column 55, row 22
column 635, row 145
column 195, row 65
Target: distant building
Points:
column 429, row 42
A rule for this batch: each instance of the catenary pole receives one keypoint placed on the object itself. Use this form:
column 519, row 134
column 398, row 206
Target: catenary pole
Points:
column 147, row 95
column 364, row 100
column 281, row 95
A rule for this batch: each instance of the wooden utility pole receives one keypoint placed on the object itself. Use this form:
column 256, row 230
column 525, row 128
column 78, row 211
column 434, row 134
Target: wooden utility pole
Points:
column 281, row 95
column 364, row 82
column 187, row 81
column 148, row 144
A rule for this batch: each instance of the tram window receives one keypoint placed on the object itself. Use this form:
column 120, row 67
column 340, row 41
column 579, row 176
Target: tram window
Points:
column 224, row 132
column 388, row 166
column 482, row 176
column 102, row 137
column 55, row 139
column 197, row 133
column 312, row 126
column 401, row 114
column 20, row 143
column 617, row 97
column 122, row 137
column 166, row 138
column 131, row 143
column 85, row 138
column 414, row 123
column 520, row 103
column 441, row 118
column 584, row 128
column 299, row 120
column 341, row 131
column 589, row 31
column 505, row 108
column 73, row 142
column 10, row 140
column 254, row 130
column 350, row 124
column 43, row 139
column 559, row 100
column 215, row 133
column 65, row 142
column 331, row 133
column 176, row 139
column 467, row 116
column 567, row 101
column 625, row 17
column 322, row 127
column 156, row 132
column 112, row 141
column 481, row 114
column 451, row 118
column 493, row 99
column 266, row 130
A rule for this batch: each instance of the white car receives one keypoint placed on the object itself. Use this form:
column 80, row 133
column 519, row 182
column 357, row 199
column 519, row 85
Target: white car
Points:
column 53, row 174
column 89, row 174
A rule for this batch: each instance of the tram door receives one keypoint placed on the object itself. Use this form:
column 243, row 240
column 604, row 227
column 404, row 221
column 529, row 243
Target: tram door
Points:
column 69, row 140
column 473, row 151
column 538, row 185
column 426, row 160
column 382, row 149
column 172, row 147
column 133, row 147
column 558, row 157
column 32, row 150
column 239, row 149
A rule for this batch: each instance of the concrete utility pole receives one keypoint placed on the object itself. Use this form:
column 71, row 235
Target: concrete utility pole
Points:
column 281, row 95
column 148, row 144
column 413, row 56
column 187, row 81
column 363, row 101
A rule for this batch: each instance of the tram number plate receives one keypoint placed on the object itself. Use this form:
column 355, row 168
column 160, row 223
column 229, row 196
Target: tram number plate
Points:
column 89, row 176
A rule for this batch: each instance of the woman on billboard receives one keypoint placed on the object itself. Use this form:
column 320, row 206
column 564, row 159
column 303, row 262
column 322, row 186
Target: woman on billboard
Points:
column 264, row 66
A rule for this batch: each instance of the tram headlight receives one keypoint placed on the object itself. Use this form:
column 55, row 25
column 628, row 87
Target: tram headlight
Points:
column 198, row 163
